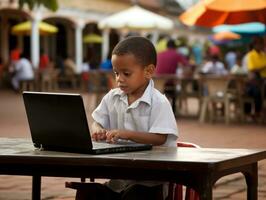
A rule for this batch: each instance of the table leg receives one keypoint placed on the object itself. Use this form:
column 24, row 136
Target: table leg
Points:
column 206, row 192
column 251, row 176
column 36, row 187
column 203, row 186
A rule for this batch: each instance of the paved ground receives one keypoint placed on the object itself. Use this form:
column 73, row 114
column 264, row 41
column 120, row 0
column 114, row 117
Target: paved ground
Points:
column 13, row 123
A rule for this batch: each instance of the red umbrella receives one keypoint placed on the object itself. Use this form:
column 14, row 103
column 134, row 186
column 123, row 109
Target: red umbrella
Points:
column 210, row 13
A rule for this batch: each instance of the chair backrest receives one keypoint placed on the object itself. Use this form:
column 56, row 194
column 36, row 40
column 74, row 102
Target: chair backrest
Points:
column 188, row 88
column 215, row 83
column 177, row 189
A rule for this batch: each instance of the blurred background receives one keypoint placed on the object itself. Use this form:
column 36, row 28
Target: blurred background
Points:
column 211, row 66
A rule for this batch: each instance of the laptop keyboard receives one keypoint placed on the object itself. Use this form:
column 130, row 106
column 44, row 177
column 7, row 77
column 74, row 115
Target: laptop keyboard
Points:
column 120, row 146
column 103, row 145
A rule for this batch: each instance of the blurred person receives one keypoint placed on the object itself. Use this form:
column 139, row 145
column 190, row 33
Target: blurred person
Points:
column 245, row 57
column 182, row 46
column 161, row 43
column 85, row 68
column 69, row 73
column 230, row 59
column 256, row 62
column 69, row 66
column 49, row 76
column 184, row 50
column 15, row 54
column 92, row 58
column 238, row 68
column 23, row 70
column 43, row 71
column 256, row 58
column 44, row 60
column 197, row 52
column 214, row 50
column 107, row 64
column 168, row 62
column 13, row 58
column 214, row 66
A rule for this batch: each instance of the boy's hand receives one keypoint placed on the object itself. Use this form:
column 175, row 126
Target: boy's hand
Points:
column 99, row 135
column 113, row 135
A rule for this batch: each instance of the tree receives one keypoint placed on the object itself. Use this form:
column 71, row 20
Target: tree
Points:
column 50, row 4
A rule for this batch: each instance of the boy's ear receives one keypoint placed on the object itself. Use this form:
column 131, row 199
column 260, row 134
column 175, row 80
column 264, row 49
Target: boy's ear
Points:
column 149, row 70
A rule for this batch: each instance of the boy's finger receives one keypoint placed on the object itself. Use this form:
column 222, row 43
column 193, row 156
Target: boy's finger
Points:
column 93, row 136
column 114, row 139
column 102, row 136
column 98, row 136
column 108, row 136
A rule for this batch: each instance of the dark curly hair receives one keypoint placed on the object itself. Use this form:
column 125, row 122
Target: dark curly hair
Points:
column 142, row 48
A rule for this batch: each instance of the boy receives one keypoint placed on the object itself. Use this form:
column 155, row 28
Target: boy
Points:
column 134, row 111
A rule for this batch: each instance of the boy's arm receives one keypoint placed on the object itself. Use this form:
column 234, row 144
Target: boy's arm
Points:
column 138, row 137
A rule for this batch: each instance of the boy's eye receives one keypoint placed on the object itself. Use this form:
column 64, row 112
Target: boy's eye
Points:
column 126, row 73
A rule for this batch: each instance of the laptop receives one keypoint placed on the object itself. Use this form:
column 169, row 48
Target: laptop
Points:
column 58, row 122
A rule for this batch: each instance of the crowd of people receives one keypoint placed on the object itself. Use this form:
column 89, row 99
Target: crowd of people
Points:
column 178, row 58
column 19, row 68
column 250, row 63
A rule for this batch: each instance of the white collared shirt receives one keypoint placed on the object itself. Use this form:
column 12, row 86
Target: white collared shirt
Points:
column 150, row 113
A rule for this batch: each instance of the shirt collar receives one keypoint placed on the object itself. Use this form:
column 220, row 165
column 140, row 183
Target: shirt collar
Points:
column 146, row 97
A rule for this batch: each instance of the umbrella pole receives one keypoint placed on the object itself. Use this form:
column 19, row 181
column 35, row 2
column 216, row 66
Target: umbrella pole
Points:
column 35, row 43
column 155, row 37
column 105, row 44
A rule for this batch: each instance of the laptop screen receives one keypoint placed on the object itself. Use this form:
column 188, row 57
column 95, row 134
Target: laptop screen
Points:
column 57, row 120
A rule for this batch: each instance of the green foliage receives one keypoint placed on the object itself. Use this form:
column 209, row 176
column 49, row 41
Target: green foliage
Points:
column 50, row 4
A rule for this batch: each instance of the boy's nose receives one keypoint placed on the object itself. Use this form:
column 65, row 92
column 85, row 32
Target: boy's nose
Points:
column 119, row 79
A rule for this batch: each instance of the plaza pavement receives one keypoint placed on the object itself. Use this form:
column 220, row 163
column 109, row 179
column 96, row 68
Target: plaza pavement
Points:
column 13, row 123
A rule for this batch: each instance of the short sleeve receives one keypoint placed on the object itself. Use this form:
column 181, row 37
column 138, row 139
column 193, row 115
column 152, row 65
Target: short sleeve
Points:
column 101, row 113
column 163, row 121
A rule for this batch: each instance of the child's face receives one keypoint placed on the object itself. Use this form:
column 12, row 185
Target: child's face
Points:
column 131, row 77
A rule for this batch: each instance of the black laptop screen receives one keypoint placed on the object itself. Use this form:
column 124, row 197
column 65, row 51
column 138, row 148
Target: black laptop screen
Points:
column 57, row 120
